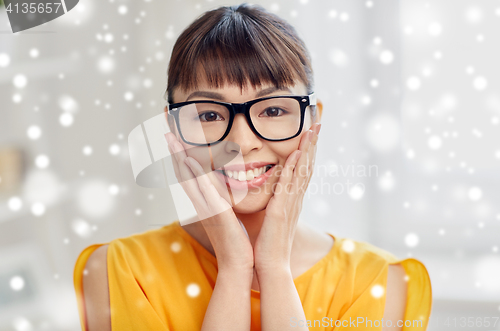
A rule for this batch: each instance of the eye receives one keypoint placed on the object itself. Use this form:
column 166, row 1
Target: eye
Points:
column 210, row 116
column 272, row 112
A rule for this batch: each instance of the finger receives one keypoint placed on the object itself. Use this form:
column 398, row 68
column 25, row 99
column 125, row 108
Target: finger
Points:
column 183, row 173
column 302, row 169
column 170, row 137
column 313, row 147
column 202, row 206
column 187, row 187
column 175, row 164
column 306, row 184
column 189, row 181
column 223, row 192
column 210, row 193
column 304, row 145
column 286, row 176
column 316, row 131
column 180, row 156
column 311, row 157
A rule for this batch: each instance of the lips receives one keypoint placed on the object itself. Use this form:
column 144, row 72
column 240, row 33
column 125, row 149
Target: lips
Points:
column 246, row 166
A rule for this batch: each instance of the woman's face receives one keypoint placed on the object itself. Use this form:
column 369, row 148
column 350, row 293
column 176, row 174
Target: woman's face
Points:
column 252, row 198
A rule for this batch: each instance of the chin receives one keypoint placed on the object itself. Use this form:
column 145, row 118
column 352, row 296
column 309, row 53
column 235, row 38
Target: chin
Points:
column 252, row 204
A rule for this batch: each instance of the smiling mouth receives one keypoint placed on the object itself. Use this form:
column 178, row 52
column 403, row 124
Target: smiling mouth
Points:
column 248, row 175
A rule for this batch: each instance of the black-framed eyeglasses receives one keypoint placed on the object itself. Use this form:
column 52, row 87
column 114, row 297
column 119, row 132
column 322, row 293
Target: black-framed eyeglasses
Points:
column 276, row 118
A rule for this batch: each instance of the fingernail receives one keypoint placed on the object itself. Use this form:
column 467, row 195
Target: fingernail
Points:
column 318, row 128
column 299, row 153
column 311, row 137
column 187, row 161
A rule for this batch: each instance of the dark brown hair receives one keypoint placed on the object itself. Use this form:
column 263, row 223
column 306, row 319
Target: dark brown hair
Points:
column 237, row 45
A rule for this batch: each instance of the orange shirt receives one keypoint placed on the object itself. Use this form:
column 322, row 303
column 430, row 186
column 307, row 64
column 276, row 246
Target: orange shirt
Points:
column 162, row 280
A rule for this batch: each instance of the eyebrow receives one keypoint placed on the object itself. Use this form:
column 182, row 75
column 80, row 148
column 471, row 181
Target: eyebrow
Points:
column 218, row 96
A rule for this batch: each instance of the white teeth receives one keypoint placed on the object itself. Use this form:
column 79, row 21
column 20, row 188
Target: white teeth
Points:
column 245, row 175
column 250, row 175
column 242, row 176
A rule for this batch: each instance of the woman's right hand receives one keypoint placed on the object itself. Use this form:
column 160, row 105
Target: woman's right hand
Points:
column 231, row 244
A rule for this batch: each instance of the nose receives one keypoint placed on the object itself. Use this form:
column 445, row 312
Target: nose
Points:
column 243, row 136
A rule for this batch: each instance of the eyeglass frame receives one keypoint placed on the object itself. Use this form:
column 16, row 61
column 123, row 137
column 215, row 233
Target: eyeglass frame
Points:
column 243, row 108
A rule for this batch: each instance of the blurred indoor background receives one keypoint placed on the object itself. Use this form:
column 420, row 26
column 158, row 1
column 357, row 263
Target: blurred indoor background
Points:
column 408, row 157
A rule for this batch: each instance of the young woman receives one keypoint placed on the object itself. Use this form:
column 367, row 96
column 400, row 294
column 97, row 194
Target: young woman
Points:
column 247, row 78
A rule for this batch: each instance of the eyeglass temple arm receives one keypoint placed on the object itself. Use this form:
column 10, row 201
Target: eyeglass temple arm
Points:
column 312, row 99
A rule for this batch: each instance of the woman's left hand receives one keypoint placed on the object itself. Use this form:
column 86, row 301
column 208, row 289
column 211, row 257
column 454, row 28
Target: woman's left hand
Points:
column 273, row 245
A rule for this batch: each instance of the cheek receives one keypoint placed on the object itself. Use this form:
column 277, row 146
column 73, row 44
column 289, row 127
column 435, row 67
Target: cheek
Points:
column 283, row 149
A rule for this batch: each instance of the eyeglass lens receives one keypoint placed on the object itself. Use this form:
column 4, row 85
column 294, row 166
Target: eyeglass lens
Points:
column 277, row 118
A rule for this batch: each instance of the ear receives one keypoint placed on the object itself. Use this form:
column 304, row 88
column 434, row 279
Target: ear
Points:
column 319, row 108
